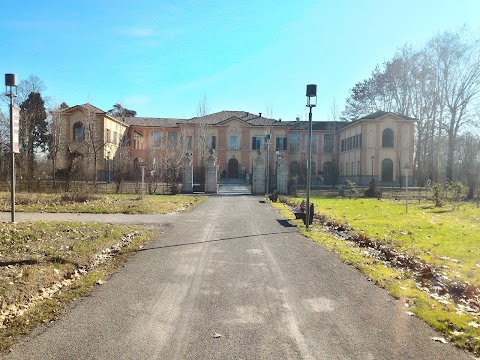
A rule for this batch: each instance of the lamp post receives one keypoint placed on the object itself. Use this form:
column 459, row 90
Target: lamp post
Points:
column 406, row 168
column 311, row 102
column 11, row 92
column 108, row 166
column 373, row 157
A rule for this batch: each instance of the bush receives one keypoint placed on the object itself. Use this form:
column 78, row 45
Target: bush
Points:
column 352, row 189
column 373, row 190
column 77, row 197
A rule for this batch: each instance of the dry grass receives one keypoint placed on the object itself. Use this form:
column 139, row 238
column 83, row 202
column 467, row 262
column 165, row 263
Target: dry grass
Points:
column 98, row 203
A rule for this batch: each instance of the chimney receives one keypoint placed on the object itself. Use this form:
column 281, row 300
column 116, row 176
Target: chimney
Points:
column 259, row 114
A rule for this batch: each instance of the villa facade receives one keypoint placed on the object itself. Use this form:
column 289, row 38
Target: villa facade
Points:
column 378, row 145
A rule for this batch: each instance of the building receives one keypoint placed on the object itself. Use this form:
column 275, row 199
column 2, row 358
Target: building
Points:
column 378, row 145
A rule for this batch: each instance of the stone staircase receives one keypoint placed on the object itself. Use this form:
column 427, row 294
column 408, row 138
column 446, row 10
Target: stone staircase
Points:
column 234, row 187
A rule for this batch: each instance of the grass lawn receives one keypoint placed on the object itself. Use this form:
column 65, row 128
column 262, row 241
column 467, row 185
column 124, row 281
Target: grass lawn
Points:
column 98, row 203
column 445, row 238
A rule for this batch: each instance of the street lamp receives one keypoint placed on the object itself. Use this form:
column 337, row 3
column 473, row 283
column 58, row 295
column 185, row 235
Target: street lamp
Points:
column 11, row 92
column 311, row 102
column 406, row 168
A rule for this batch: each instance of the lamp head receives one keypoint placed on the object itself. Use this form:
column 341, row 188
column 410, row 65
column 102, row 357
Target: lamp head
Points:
column 311, row 95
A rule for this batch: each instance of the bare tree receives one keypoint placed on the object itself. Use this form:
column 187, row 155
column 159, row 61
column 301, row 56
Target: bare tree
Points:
column 438, row 85
column 57, row 132
column 122, row 163
column 201, row 146
column 468, row 157
column 458, row 61
column 94, row 139
column 170, row 155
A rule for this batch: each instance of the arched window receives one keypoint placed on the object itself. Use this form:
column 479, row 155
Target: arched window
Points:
column 78, row 132
column 387, row 170
column 387, row 138
column 327, row 168
column 294, row 169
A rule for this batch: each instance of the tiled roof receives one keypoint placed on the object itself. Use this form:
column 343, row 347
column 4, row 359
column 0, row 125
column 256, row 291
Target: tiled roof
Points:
column 219, row 117
column 379, row 114
column 152, row 122
column 88, row 107
column 316, row 125
column 249, row 118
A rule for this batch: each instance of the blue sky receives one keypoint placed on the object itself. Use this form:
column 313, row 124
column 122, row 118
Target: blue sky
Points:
column 160, row 57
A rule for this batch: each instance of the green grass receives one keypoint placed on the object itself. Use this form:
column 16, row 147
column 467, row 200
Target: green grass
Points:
column 442, row 237
column 98, row 203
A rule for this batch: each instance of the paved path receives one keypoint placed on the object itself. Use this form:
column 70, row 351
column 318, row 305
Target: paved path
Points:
column 231, row 280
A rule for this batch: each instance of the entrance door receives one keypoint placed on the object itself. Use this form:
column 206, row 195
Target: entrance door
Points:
column 233, row 168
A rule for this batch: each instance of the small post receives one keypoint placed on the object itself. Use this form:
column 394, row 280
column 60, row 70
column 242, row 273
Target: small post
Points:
column 406, row 168
column 143, row 179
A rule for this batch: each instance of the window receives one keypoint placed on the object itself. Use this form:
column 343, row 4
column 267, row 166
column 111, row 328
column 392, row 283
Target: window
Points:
column 188, row 141
column 328, row 143
column 212, row 141
column 294, row 169
column 343, row 145
column 155, row 138
column 358, row 168
column 281, row 143
column 256, row 143
column 314, row 143
column 327, row 168
column 387, row 170
column 138, row 139
column 387, row 138
column 114, row 137
column 294, row 142
column 107, row 136
column 234, row 142
column 78, row 132
column 172, row 139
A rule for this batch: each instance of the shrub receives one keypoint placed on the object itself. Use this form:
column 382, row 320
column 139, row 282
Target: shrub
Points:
column 437, row 190
column 373, row 190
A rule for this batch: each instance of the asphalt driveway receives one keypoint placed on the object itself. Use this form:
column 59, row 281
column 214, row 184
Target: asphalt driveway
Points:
column 231, row 280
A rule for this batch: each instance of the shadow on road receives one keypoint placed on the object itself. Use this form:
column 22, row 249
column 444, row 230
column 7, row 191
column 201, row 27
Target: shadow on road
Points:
column 213, row 240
